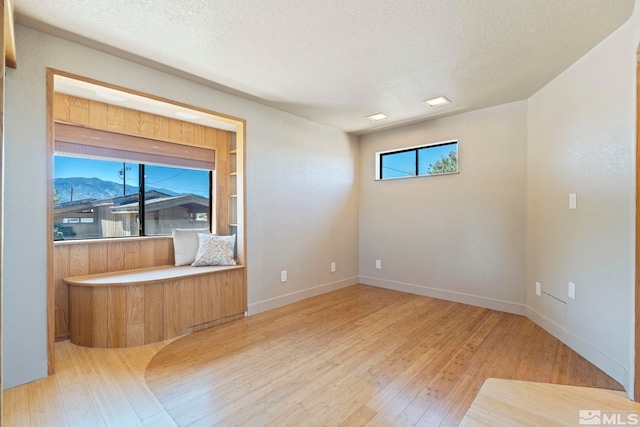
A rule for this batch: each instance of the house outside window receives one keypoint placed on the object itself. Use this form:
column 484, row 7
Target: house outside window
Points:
column 113, row 185
column 100, row 198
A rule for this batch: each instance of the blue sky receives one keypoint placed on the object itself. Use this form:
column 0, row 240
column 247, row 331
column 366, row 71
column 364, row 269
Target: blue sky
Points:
column 181, row 181
column 403, row 164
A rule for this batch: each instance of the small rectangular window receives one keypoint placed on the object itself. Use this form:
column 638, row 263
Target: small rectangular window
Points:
column 432, row 159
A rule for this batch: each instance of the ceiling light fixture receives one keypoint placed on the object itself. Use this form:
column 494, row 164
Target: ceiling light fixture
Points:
column 110, row 96
column 185, row 115
column 436, row 102
column 377, row 117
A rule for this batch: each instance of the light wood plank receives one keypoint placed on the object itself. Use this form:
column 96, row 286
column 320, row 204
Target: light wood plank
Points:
column 97, row 114
column 187, row 306
column 153, row 313
column 61, row 107
column 78, row 109
column 117, row 317
column 171, row 309
column 115, row 256
column 98, row 258
column 100, row 317
column 81, row 321
column 61, row 269
column 507, row 403
column 16, row 406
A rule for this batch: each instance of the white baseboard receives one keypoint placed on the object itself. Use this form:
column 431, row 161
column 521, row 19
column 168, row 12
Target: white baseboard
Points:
column 610, row 366
column 24, row 374
column 494, row 304
column 272, row 303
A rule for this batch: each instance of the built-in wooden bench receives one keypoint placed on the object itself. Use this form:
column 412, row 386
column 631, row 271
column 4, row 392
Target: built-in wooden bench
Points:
column 147, row 305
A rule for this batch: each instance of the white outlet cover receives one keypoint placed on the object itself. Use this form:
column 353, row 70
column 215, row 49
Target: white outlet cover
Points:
column 538, row 289
column 378, row 264
column 333, row 267
column 283, row 276
column 573, row 201
column 572, row 290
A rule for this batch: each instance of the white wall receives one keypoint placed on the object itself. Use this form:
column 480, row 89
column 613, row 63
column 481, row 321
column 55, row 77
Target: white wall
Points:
column 302, row 202
column 460, row 237
column 581, row 139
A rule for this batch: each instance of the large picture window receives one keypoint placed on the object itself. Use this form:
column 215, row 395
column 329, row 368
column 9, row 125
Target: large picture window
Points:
column 125, row 187
column 433, row 159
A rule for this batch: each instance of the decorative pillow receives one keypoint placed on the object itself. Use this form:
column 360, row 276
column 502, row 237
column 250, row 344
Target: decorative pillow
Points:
column 185, row 244
column 215, row 250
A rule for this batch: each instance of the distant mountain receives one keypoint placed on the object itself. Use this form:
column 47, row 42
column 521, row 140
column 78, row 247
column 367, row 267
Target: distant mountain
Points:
column 94, row 188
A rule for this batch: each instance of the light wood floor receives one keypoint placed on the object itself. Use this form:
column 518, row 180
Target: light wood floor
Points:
column 92, row 387
column 361, row 355
column 358, row 356
column 508, row 403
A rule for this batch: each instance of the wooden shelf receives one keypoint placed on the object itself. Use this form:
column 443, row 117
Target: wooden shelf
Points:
column 233, row 174
column 233, row 225
column 233, row 152
column 233, row 196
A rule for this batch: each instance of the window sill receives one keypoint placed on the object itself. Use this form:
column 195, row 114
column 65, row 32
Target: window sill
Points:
column 418, row 176
column 108, row 240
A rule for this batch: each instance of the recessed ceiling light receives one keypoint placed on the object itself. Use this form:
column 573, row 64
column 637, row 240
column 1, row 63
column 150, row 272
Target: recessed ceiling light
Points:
column 185, row 115
column 377, row 117
column 110, row 96
column 437, row 101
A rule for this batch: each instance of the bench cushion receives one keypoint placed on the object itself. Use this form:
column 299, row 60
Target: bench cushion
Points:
column 185, row 244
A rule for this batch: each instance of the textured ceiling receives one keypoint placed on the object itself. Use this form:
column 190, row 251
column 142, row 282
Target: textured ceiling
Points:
column 337, row 61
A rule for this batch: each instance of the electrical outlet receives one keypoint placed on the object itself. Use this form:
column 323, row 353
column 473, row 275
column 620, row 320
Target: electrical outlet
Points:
column 283, row 276
column 538, row 289
column 333, row 267
column 573, row 201
column 378, row 264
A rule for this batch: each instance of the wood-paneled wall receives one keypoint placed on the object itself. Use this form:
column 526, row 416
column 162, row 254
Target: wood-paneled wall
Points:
column 94, row 257
column 112, row 118
column 125, row 316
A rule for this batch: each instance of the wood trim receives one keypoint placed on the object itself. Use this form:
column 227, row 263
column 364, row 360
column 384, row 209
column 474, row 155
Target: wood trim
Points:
column 636, row 382
column 241, row 213
column 51, row 288
column 2, row 73
column 9, row 42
